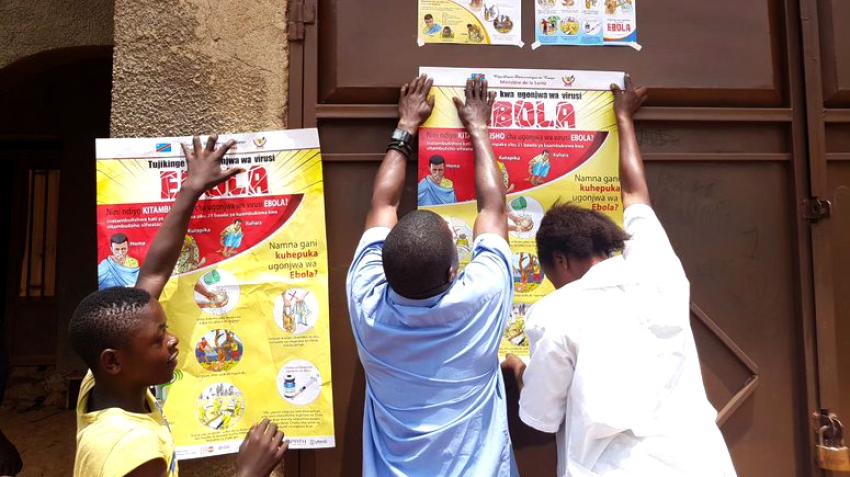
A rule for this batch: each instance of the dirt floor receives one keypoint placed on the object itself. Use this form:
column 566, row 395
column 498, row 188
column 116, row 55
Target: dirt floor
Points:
column 45, row 439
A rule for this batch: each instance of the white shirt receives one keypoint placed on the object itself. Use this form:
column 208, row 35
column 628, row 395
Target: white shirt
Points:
column 614, row 369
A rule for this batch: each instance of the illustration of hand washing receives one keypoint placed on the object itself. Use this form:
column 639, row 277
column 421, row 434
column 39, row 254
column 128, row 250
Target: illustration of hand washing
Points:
column 216, row 292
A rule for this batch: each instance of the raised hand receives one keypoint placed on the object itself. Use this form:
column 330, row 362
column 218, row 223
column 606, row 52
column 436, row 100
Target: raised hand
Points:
column 629, row 100
column 262, row 450
column 204, row 164
column 475, row 112
column 415, row 104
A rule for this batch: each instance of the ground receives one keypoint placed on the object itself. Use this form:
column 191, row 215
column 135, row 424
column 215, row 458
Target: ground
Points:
column 45, row 439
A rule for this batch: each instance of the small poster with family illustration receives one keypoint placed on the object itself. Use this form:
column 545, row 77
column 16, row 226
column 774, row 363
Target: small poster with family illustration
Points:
column 470, row 22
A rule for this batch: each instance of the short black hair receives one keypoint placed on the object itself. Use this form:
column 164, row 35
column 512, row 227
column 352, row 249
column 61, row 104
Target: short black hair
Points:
column 417, row 255
column 105, row 319
column 578, row 233
column 118, row 238
column 437, row 159
column 429, row 16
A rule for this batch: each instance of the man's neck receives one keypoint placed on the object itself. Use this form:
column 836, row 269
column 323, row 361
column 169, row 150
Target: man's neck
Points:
column 435, row 181
column 584, row 266
column 107, row 395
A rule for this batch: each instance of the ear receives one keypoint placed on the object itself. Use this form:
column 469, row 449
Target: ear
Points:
column 452, row 274
column 110, row 362
column 562, row 262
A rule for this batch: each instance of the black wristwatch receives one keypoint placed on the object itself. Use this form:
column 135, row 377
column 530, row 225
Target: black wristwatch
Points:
column 402, row 141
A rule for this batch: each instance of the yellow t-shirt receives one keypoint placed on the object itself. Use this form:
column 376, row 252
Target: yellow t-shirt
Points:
column 112, row 442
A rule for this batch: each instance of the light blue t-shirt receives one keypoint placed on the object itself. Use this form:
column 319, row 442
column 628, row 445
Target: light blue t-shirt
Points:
column 435, row 399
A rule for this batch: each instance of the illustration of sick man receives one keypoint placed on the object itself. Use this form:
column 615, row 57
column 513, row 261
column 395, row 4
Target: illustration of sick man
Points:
column 538, row 168
column 431, row 27
column 118, row 269
column 506, row 178
column 231, row 238
column 190, row 256
column 436, row 189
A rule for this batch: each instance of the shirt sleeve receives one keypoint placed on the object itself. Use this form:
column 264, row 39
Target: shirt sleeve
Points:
column 134, row 449
column 546, row 382
column 648, row 248
column 490, row 270
column 367, row 268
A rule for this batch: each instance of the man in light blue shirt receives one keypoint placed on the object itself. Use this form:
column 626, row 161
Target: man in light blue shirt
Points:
column 428, row 337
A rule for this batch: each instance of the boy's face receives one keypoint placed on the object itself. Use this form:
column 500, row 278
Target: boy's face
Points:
column 150, row 356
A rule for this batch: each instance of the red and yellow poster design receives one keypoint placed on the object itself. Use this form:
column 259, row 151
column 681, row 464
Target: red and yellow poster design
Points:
column 249, row 295
column 555, row 137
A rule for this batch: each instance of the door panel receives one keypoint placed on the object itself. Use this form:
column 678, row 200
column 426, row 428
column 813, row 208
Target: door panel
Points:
column 369, row 48
column 732, row 229
column 839, row 185
column 835, row 36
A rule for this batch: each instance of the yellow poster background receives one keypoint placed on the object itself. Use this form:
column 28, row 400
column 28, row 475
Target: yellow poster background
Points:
column 594, row 184
column 266, row 356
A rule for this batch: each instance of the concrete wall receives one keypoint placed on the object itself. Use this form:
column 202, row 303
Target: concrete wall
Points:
column 34, row 26
column 199, row 66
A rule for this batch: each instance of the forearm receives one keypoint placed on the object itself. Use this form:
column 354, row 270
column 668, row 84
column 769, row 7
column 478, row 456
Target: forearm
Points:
column 632, row 174
column 166, row 246
column 489, row 187
column 386, row 193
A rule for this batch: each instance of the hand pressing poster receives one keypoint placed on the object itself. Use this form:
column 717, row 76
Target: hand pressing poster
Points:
column 248, row 297
column 555, row 138
column 470, row 22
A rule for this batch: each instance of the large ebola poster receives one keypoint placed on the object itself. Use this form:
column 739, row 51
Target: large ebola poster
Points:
column 555, row 138
column 249, row 295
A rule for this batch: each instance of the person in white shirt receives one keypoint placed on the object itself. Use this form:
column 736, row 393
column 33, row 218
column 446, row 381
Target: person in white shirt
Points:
column 614, row 370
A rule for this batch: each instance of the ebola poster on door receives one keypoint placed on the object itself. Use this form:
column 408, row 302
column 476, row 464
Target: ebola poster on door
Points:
column 555, row 138
column 586, row 22
column 248, row 298
column 470, row 22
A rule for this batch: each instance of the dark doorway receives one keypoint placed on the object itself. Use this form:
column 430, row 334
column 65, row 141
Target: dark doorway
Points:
column 55, row 103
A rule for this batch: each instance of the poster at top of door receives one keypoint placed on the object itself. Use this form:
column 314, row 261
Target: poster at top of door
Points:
column 586, row 22
column 470, row 22
column 555, row 138
column 248, row 298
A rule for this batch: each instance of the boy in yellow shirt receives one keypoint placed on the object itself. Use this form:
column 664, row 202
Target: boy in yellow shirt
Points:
column 121, row 334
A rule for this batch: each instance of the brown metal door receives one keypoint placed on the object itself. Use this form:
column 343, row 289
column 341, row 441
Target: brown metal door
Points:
column 726, row 140
column 827, row 79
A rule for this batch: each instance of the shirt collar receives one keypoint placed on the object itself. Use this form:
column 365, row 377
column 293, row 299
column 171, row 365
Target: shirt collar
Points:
column 421, row 303
column 607, row 273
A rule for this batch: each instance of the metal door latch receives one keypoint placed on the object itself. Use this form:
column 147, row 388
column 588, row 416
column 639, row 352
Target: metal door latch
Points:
column 830, row 450
column 817, row 209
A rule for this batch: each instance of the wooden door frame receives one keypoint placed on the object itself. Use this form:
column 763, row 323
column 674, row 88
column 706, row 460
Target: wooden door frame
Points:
column 801, row 112
column 25, row 153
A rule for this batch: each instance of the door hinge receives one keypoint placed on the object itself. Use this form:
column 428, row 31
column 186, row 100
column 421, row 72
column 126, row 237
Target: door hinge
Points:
column 301, row 12
column 817, row 209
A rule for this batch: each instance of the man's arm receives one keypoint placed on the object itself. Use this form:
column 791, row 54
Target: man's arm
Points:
column 414, row 107
column 489, row 188
column 632, row 176
column 515, row 366
column 204, row 172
